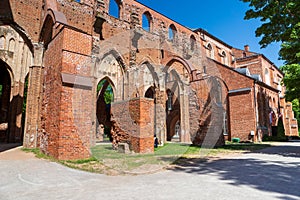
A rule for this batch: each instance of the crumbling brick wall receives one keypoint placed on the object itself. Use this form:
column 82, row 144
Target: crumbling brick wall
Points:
column 133, row 123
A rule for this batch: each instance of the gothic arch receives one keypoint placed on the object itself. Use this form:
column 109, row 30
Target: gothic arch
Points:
column 172, row 32
column 116, row 55
column 152, row 70
column 183, row 74
column 150, row 92
column 102, row 90
column 115, row 8
column 111, row 66
column 193, row 42
column 47, row 30
column 15, row 45
column 105, row 96
column 9, row 70
column 147, row 21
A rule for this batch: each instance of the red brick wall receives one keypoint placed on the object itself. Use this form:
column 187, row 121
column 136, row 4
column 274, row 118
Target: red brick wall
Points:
column 241, row 105
column 27, row 14
column 206, row 118
column 76, row 134
column 242, row 115
column 136, row 117
column 78, row 15
column 52, row 96
column 68, row 108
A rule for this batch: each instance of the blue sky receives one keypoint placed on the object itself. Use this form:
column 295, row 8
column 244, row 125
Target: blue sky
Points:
column 222, row 18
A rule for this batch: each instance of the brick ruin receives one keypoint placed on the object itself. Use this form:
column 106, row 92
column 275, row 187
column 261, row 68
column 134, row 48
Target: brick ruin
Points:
column 183, row 85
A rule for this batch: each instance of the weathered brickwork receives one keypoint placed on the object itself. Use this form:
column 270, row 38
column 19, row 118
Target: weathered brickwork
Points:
column 136, row 118
column 166, row 80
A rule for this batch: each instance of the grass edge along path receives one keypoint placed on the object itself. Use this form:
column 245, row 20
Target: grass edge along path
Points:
column 105, row 160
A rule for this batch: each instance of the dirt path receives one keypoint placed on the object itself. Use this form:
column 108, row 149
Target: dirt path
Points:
column 16, row 154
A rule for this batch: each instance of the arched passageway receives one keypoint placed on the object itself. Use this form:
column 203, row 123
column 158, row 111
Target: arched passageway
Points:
column 173, row 115
column 105, row 96
column 5, row 90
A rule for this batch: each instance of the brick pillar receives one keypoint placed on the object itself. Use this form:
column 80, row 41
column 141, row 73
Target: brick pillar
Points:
column 34, row 100
column 141, row 111
column 184, row 117
column 160, row 115
column 135, row 123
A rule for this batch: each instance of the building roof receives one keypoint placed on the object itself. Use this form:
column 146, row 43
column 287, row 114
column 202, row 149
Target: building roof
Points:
column 212, row 36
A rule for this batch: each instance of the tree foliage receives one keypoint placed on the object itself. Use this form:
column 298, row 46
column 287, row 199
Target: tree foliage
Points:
column 108, row 94
column 292, row 81
column 281, row 23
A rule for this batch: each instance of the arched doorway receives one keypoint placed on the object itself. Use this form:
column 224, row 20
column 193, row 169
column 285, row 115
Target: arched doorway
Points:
column 176, row 86
column 5, row 90
column 150, row 93
column 173, row 115
column 105, row 96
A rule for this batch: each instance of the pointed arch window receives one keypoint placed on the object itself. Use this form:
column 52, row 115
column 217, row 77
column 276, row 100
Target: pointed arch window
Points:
column 2, row 42
column 224, row 58
column 114, row 8
column 146, row 21
column 150, row 93
column 192, row 42
column 172, row 32
column 11, row 45
column 210, row 51
column 170, row 100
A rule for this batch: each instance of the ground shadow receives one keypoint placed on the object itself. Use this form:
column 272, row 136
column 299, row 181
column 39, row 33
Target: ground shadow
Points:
column 286, row 150
column 8, row 146
column 275, row 175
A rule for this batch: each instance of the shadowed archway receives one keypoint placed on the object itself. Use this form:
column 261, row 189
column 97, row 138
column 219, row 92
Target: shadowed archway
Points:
column 5, row 90
column 105, row 96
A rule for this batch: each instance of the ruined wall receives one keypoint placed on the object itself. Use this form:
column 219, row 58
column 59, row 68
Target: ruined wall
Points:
column 52, row 96
column 133, row 120
column 206, row 117
column 28, row 15
column 17, row 54
column 241, row 111
column 69, row 96
column 84, row 34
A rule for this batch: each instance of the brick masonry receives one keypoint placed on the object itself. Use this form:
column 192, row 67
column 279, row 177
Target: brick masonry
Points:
column 136, row 118
column 65, row 48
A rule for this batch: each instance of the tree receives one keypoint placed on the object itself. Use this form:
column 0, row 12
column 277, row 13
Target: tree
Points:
column 108, row 94
column 281, row 23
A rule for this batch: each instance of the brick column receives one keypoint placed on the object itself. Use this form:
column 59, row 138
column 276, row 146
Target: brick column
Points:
column 160, row 115
column 141, row 111
column 134, row 123
column 34, row 100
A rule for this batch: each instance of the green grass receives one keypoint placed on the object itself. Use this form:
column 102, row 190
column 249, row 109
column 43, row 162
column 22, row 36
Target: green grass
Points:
column 37, row 153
